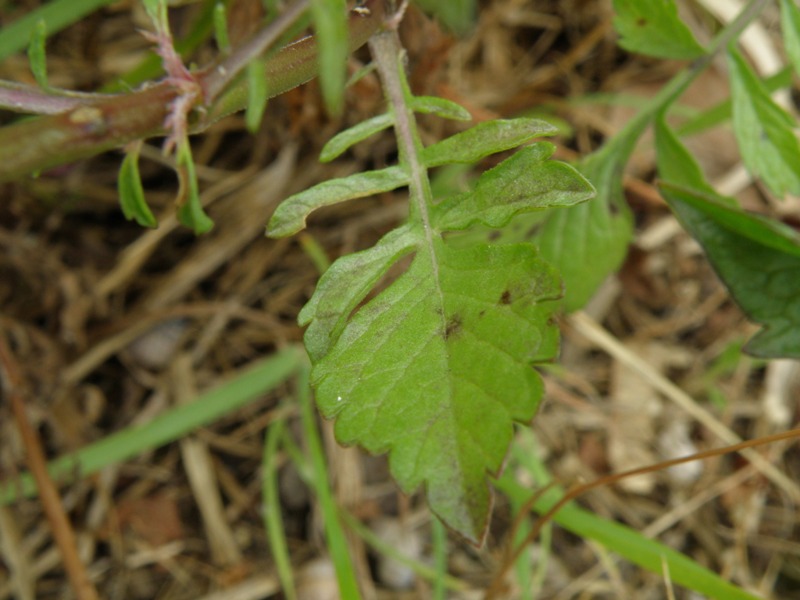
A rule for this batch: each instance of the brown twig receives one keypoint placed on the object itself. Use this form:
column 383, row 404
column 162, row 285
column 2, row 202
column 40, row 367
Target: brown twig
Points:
column 111, row 122
column 37, row 463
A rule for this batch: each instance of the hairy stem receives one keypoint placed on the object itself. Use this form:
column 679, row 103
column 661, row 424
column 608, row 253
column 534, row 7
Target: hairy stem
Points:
column 112, row 122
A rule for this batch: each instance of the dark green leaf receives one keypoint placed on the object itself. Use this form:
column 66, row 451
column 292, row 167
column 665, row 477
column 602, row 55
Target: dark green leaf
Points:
column 790, row 26
column 190, row 213
column 484, row 139
column 527, row 181
column 675, row 163
column 290, row 216
column 764, row 130
column 652, row 27
column 131, row 192
column 757, row 259
column 419, row 370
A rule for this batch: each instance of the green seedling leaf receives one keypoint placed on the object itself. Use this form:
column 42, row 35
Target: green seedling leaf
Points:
column 589, row 241
column 330, row 23
column 221, row 28
column 764, row 130
column 757, row 259
column 339, row 143
column 457, row 15
column 790, row 26
column 131, row 192
column 484, row 139
column 653, row 28
column 437, row 368
column 345, row 285
column 290, row 216
column 190, row 211
column 36, row 54
column 525, row 182
column 257, row 94
column 447, row 109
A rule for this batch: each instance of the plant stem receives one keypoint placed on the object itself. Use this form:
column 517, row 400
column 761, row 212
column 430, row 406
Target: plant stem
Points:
column 111, row 122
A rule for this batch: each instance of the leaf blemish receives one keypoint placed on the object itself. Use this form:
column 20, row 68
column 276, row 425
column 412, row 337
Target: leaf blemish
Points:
column 505, row 297
column 453, row 326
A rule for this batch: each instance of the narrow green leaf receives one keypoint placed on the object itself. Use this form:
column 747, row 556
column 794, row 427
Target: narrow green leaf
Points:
column 653, row 28
column 457, row 15
column 339, row 143
column 36, row 54
column 437, row 368
column 330, row 23
column 345, row 285
column 221, row 28
column 790, row 26
column 484, row 139
column 290, row 216
column 757, row 259
column 764, row 130
column 527, row 181
column 447, row 109
column 257, row 94
column 131, row 192
column 589, row 241
column 190, row 213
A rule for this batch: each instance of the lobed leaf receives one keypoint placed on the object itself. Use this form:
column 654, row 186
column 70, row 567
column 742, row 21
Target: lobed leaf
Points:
column 764, row 130
column 653, row 28
column 527, row 181
column 131, row 192
column 437, row 368
column 345, row 284
column 759, row 262
column 484, row 139
column 339, row 143
column 290, row 216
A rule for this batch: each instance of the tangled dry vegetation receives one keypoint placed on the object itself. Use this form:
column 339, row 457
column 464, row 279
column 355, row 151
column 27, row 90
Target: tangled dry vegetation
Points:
column 110, row 323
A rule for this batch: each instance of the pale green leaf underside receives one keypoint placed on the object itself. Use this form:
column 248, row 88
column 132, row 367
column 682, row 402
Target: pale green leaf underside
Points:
column 290, row 216
column 764, row 131
column 652, row 27
column 339, row 143
column 525, row 182
column 433, row 105
column 438, row 367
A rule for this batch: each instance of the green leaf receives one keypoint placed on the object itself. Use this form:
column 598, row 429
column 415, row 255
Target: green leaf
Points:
column 790, row 26
column 457, row 15
column 764, row 130
column 437, row 368
column 484, row 139
column 36, row 54
column 589, row 241
column 257, row 94
column 653, row 28
column 290, row 216
column 675, row 163
column 339, row 143
column 527, row 181
column 447, row 109
column 757, row 259
column 344, row 285
column 190, row 213
column 330, row 23
column 131, row 192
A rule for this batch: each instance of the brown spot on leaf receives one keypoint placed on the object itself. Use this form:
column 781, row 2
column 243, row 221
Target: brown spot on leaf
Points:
column 505, row 297
column 641, row 21
column 453, row 326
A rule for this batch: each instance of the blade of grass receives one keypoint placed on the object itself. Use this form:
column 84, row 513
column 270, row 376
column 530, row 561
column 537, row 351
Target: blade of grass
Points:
column 334, row 532
column 273, row 523
column 628, row 543
column 56, row 16
column 246, row 386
